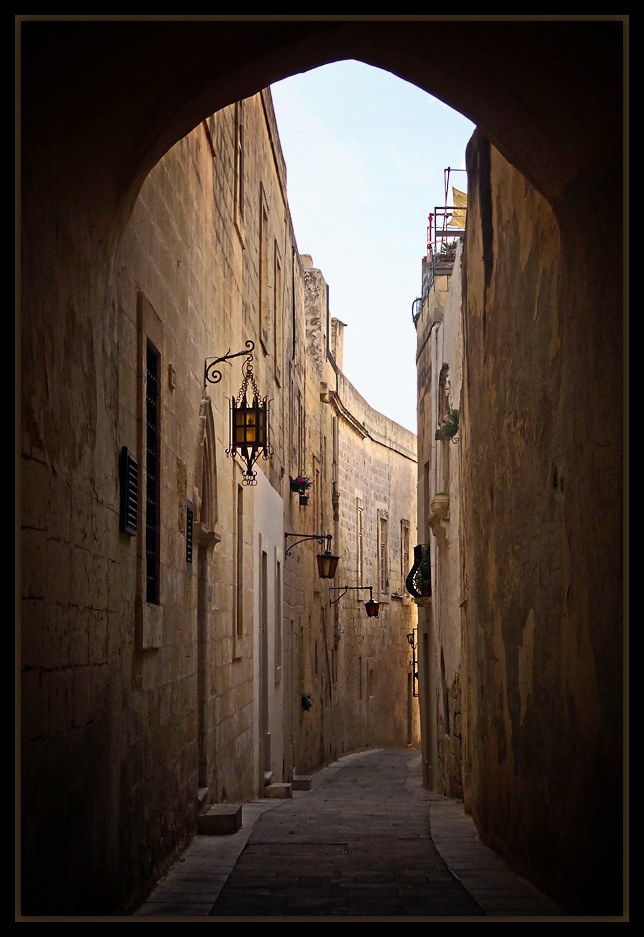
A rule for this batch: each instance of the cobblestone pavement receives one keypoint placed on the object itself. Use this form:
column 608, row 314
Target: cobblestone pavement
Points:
column 362, row 842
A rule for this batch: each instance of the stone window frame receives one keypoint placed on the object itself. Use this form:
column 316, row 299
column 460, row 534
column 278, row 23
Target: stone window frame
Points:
column 383, row 560
column 150, row 335
column 263, row 264
column 359, row 541
column 239, row 158
column 405, row 555
column 278, row 305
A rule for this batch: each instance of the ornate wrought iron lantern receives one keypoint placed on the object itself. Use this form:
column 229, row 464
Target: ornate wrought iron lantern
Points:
column 248, row 419
column 372, row 608
column 327, row 561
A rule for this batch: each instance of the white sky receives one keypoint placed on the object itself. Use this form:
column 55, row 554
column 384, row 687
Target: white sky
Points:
column 365, row 154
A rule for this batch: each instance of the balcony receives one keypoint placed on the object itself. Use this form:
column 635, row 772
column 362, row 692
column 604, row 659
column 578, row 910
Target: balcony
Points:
column 419, row 578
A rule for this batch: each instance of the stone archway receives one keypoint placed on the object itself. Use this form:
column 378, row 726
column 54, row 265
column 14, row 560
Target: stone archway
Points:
column 102, row 102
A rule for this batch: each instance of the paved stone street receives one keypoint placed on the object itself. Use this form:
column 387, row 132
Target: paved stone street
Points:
column 367, row 840
column 358, row 844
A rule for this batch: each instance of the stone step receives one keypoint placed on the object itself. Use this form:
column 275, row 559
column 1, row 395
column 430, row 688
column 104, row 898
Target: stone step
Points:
column 279, row 790
column 220, row 819
column 302, row 782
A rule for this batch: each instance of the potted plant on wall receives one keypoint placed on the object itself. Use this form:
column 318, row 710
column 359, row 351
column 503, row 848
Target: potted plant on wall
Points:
column 448, row 250
column 449, row 427
column 301, row 485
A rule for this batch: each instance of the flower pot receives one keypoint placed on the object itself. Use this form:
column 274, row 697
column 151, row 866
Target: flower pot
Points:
column 304, row 499
column 300, row 485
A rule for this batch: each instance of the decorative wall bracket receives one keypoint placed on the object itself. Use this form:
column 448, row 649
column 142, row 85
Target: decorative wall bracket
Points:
column 319, row 537
column 371, row 607
column 212, row 375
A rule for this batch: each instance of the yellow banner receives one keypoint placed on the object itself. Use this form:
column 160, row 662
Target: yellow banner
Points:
column 460, row 201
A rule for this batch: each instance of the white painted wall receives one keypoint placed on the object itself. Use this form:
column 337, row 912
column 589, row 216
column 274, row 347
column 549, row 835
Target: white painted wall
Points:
column 268, row 538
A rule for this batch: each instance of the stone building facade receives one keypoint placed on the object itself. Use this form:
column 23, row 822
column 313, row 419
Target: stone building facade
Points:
column 165, row 657
column 439, row 363
column 518, row 692
column 368, row 470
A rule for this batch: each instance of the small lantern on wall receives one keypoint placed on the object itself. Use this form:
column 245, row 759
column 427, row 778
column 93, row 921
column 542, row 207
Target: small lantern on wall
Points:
column 327, row 564
column 327, row 561
column 372, row 608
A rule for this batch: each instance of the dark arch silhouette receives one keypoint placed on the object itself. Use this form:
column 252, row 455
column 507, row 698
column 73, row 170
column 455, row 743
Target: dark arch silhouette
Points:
column 103, row 101
column 106, row 100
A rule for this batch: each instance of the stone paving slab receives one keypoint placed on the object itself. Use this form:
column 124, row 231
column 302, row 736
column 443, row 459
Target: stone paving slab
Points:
column 210, row 860
column 367, row 840
column 485, row 874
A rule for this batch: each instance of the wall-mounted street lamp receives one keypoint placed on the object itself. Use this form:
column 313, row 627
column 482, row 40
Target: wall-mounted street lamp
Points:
column 248, row 421
column 411, row 637
column 372, row 608
column 327, row 562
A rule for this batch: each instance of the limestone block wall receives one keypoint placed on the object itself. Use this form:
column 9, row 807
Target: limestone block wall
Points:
column 376, row 485
column 196, row 263
column 139, row 706
column 542, row 558
column 357, row 671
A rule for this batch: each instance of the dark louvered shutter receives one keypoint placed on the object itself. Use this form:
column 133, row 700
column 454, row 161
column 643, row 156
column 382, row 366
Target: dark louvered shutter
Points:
column 189, row 524
column 129, row 472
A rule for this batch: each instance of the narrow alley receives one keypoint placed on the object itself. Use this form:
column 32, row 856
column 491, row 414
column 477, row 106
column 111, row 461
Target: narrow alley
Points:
column 366, row 840
column 241, row 581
